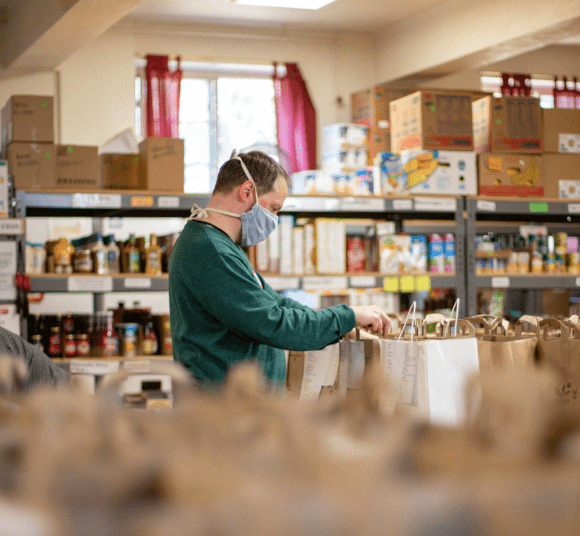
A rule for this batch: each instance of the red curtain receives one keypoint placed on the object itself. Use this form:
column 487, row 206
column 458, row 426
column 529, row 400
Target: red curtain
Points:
column 162, row 97
column 296, row 119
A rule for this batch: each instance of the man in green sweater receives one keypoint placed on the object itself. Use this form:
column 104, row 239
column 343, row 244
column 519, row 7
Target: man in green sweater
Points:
column 222, row 310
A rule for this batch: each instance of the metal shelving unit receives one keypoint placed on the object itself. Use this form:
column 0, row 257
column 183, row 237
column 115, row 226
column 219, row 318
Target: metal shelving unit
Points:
column 485, row 215
column 436, row 214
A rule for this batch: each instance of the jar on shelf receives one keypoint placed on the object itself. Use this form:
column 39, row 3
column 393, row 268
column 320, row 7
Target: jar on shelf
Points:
column 83, row 261
column 62, row 255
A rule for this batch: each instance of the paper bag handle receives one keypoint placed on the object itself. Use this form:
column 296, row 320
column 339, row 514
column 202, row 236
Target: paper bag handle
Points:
column 498, row 323
column 552, row 322
column 464, row 326
column 534, row 320
column 456, row 309
column 414, row 309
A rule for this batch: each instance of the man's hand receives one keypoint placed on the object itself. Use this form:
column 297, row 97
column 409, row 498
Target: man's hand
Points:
column 372, row 318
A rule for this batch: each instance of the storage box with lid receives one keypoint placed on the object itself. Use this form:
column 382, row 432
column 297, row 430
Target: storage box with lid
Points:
column 161, row 164
column 507, row 125
column 432, row 120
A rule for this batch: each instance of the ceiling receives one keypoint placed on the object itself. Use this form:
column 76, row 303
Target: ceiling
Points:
column 341, row 15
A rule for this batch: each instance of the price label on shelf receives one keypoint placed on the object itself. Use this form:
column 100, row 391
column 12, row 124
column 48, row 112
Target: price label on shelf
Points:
column 574, row 208
column 402, row 204
column 168, row 201
column 96, row 200
column 283, row 283
column 422, row 283
column 436, row 204
column 578, row 281
column 363, row 281
column 82, row 366
column 488, row 206
column 363, row 204
column 12, row 226
column 500, row 282
column 539, row 207
column 391, row 284
column 142, row 201
column 137, row 282
column 407, row 283
column 80, row 283
column 325, row 283
column 142, row 366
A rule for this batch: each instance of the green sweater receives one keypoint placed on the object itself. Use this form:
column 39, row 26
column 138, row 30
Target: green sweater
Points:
column 223, row 312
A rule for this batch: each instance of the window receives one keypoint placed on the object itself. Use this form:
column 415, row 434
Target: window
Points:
column 542, row 87
column 223, row 106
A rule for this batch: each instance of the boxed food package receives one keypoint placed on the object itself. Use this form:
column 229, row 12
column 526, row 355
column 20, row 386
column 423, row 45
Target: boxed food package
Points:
column 388, row 173
column 344, row 183
column 312, row 182
column 121, row 171
column 511, row 174
column 344, row 136
column 438, row 172
column 77, row 166
column 418, row 260
column 432, row 120
column 344, row 160
column 364, row 181
column 436, row 254
column 162, row 164
column 561, row 130
column 28, row 118
column 562, row 176
column 370, row 107
column 32, row 165
column 507, row 125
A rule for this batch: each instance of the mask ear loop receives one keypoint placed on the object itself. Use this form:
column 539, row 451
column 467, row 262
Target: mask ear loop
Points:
column 414, row 309
column 236, row 157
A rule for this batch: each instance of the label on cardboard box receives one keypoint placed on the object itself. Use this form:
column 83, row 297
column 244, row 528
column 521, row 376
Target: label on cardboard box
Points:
column 569, row 143
column 569, row 189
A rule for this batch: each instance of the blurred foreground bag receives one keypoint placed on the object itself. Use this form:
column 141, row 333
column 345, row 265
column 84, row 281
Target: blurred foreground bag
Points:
column 559, row 348
column 427, row 377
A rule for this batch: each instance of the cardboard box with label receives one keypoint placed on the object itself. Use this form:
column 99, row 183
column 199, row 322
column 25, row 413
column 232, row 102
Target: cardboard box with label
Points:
column 32, row 165
column 432, row 121
column 562, row 176
column 3, row 189
column 511, row 174
column 438, row 172
column 77, row 167
column 28, row 118
column 121, row 171
column 379, row 142
column 162, row 164
column 561, row 130
column 507, row 125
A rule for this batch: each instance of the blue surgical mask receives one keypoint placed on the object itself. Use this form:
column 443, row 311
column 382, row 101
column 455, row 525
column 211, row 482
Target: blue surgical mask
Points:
column 257, row 224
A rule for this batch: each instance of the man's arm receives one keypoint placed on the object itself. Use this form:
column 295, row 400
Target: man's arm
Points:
column 249, row 310
column 282, row 301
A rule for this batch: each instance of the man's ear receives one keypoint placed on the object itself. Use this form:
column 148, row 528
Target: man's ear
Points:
column 245, row 191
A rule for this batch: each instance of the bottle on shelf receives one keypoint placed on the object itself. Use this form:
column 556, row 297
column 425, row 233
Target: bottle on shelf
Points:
column 113, row 254
column 110, row 339
column 153, row 257
column 132, row 256
column 149, row 342
column 100, row 259
column 54, row 342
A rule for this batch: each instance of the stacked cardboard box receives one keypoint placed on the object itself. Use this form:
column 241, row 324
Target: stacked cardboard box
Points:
column 28, row 140
column 562, row 153
column 508, row 135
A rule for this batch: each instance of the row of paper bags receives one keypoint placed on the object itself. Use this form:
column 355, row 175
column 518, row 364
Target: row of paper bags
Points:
column 425, row 369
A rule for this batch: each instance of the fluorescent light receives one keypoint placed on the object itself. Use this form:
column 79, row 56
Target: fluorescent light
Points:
column 296, row 4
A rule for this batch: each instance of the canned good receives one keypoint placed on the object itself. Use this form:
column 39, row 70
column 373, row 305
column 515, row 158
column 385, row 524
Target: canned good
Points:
column 128, row 338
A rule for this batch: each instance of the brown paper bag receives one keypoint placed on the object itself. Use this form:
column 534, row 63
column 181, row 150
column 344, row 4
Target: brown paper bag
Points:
column 559, row 349
column 500, row 350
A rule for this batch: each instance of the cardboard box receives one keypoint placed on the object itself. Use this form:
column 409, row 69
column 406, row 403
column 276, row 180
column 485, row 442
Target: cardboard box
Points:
column 370, row 107
column 379, row 142
column 77, row 166
column 162, row 164
column 432, row 121
column 121, row 171
column 561, row 131
column 32, row 165
column 562, row 176
column 28, row 118
column 511, row 174
column 507, row 125
column 438, row 172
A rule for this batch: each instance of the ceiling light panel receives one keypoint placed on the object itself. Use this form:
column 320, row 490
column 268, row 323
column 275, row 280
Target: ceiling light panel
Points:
column 293, row 4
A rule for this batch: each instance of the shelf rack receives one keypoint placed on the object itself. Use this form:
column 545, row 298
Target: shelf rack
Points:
column 493, row 214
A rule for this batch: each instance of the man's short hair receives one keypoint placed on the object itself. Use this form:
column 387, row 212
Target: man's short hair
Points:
column 263, row 169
